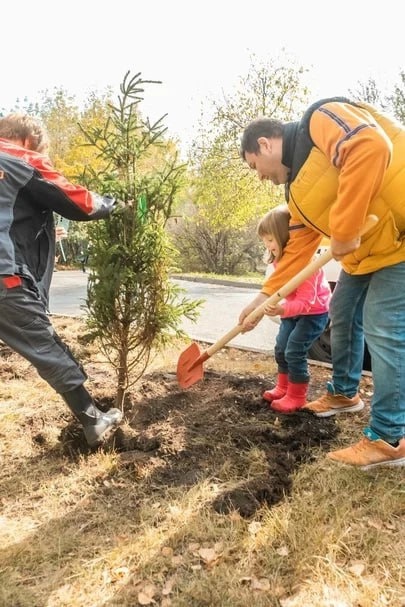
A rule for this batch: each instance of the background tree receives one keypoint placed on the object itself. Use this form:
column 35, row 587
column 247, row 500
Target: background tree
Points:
column 62, row 116
column 369, row 92
column 227, row 197
column 133, row 307
column 397, row 99
column 393, row 102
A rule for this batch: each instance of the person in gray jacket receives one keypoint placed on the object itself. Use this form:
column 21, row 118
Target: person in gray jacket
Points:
column 31, row 191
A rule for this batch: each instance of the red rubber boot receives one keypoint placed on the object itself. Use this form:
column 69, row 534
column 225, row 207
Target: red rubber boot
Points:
column 295, row 398
column 279, row 390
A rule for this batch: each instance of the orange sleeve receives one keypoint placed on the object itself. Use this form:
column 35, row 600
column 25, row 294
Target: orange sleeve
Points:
column 359, row 148
column 297, row 254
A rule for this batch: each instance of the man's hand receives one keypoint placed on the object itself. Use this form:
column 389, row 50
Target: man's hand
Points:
column 339, row 249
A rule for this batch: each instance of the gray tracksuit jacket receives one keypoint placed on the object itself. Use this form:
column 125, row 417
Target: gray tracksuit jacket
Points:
column 31, row 190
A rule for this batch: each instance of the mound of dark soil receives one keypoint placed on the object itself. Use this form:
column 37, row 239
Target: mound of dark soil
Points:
column 219, row 428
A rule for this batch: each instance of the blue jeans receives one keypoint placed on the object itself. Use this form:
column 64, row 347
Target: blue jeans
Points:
column 295, row 337
column 347, row 336
column 376, row 300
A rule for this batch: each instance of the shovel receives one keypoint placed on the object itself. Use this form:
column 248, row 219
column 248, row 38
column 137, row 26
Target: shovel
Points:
column 190, row 364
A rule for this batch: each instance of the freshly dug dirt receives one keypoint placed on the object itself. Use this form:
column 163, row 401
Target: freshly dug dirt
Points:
column 180, row 437
column 218, row 428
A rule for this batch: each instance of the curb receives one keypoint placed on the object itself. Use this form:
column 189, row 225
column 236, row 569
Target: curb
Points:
column 219, row 281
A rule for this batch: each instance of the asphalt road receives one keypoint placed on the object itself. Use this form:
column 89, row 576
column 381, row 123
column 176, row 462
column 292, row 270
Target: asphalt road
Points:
column 219, row 313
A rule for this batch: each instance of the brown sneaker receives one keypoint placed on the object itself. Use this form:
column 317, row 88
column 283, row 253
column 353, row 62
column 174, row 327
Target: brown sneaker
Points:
column 370, row 453
column 332, row 404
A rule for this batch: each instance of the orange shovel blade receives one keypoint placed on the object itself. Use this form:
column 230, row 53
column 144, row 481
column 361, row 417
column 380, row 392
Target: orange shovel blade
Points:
column 189, row 366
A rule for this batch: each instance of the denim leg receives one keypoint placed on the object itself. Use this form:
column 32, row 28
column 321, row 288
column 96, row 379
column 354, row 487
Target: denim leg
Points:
column 286, row 326
column 384, row 326
column 307, row 329
column 347, row 337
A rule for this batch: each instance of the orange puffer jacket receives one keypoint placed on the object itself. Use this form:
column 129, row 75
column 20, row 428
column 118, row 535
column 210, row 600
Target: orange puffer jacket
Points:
column 355, row 167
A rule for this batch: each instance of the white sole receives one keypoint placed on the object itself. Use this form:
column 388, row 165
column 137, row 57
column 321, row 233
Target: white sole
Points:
column 331, row 412
column 391, row 463
column 394, row 462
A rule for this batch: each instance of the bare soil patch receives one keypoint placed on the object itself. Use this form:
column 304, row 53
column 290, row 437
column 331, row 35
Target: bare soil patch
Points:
column 180, row 437
column 185, row 436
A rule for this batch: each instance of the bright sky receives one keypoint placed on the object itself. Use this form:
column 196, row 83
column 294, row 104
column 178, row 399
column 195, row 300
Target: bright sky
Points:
column 199, row 50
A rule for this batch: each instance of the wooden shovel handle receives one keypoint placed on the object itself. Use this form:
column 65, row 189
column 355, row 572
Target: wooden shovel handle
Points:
column 285, row 290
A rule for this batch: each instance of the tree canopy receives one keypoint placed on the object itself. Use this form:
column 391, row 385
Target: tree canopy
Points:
column 225, row 192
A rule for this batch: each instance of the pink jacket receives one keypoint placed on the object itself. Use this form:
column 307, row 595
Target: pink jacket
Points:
column 312, row 297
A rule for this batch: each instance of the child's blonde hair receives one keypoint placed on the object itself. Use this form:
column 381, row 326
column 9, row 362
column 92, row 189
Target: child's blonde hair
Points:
column 276, row 223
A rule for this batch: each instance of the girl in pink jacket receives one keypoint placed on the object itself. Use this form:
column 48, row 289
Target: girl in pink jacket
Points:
column 303, row 315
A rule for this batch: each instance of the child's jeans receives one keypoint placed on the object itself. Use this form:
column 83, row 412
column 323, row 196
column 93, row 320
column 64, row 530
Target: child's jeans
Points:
column 294, row 339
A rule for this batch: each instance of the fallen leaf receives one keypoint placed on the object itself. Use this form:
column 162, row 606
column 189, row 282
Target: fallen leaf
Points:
column 375, row 523
column 283, row 551
column 144, row 599
column 357, row 568
column 175, row 510
column 167, row 551
column 168, row 586
column 145, row 596
column 254, row 527
column 208, row 555
column 261, row 584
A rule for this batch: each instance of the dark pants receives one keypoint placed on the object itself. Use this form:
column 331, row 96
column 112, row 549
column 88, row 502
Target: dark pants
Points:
column 25, row 327
column 294, row 339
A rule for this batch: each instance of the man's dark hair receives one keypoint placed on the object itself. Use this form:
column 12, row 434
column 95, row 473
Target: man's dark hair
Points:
column 262, row 127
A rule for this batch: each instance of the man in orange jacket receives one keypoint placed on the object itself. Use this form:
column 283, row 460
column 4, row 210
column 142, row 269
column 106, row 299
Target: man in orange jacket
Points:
column 341, row 162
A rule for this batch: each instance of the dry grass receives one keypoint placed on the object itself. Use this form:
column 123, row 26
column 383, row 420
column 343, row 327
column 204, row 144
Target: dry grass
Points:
column 89, row 531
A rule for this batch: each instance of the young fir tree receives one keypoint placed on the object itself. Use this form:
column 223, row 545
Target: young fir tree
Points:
column 133, row 306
